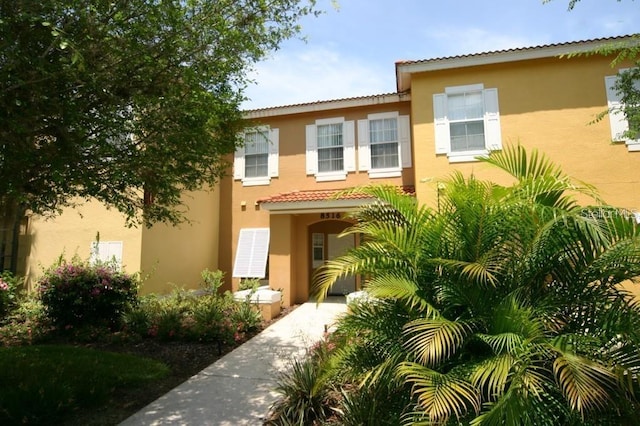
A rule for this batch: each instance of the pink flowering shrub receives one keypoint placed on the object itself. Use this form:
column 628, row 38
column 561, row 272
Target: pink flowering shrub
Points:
column 8, row 289
column 77, row 293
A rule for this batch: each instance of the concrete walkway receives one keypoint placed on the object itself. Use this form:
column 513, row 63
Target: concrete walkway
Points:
column 238, row 388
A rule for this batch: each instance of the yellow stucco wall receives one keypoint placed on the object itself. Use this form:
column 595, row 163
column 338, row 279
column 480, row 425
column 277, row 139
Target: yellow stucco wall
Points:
column 175, row 256
column 73, row 232
column 545, row 104
column 288, row 240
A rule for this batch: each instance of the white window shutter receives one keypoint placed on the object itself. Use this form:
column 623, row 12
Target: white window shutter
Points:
column 312, row 149
column 348, row 139
column 238, row 163
column 441, row 123
column 252, row 253
column 274, row 146
column 364, row 150
column 107, row 251
column 492, row 132
column 617, row 120
column 404, row 140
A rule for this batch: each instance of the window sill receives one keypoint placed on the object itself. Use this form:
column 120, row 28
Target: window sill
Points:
column 331, row 176
column 466, row 156
column 385, row 173
column 258, row 181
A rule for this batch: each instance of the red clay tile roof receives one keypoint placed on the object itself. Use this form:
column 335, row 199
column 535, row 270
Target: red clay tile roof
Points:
column 322, row 195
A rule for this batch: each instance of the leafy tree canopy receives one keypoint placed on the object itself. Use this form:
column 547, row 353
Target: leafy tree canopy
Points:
column 129, row 102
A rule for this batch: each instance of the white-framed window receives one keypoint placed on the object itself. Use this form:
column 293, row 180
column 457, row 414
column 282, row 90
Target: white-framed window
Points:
column 467, row 122
column 106, row 252
column 252, row 253
column 384, row 144
column 317, row 247
column 330, row 149
column 617, row 120
column 256, row 162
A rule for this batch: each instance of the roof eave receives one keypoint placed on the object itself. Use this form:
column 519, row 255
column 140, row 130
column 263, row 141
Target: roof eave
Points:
column 404, row 70
column 320, row 206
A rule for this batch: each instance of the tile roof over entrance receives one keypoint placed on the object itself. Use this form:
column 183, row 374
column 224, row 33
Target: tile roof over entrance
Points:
column 322, row 195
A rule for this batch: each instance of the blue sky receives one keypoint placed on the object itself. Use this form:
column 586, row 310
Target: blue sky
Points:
column 351, row 50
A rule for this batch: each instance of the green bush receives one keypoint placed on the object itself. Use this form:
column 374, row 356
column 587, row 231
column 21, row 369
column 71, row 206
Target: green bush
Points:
column 183, row 315
column 78, row 293
column 8, row 292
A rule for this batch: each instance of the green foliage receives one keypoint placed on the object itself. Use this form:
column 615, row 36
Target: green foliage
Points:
column 9, row 288
column 77, row 293
column 212, row 280
column 504, row 306
column 41, row 384
column 305, row 395
column 28, row 322
column 184, row 315
column 249, row 284
column 131, row 103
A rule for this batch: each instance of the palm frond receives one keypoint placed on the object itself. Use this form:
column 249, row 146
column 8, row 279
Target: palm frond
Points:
column 440, row 396
column 492, row 374
column 434, row 340
column 392, row 286
column 585, row 384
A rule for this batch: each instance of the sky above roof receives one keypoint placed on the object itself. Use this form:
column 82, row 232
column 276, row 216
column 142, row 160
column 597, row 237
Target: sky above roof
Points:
column 351, row 49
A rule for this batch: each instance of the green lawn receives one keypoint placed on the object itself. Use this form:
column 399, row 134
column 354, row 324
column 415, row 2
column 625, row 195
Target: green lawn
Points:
column 43, row 383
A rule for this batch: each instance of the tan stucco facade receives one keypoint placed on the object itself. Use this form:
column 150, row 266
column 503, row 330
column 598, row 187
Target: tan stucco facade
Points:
column 73, row 232
column 175, row 256
column 290, row 248
column 545, row 102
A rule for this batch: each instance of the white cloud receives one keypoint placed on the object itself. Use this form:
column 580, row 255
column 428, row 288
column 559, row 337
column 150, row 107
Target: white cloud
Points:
column 314, row 74
column 451, row 41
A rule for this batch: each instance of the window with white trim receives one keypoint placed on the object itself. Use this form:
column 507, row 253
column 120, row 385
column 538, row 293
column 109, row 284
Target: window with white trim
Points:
column 256, row 162
column 106, row 252
column 617, row 120
column 330, row 149
column 467, row 122
column 384, row 144
column 252, row 253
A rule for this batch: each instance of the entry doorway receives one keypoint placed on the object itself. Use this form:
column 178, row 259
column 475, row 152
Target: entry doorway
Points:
column 327, row 246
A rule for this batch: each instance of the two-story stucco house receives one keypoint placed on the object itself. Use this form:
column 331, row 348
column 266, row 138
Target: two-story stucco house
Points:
column 277, row 214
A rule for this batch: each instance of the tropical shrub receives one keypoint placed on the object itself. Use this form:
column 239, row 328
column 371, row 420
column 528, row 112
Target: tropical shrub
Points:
column 77, row 293
column 192, row 316
column 305, row 390
column 9, row 285
column 503, row 305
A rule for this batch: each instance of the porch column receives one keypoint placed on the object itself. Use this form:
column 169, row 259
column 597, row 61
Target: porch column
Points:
column 281, row 271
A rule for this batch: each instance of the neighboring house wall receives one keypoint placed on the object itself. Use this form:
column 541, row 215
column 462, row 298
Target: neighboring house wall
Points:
column 290, row 246
column 546, row 104
column 176, row 256
column 74, row 232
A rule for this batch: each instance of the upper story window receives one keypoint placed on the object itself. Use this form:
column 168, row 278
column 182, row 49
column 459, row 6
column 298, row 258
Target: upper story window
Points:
column 618, row 121
column 330, row 149
column 384, row 144
column 467, row 122
column 256, row 162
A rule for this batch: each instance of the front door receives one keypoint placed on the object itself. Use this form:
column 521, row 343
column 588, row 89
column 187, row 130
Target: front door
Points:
column 337, row 247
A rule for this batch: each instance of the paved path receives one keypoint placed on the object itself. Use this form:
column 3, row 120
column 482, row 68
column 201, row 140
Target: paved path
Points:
column 237, row 389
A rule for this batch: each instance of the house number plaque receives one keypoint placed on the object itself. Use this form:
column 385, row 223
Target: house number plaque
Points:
column 330, row 215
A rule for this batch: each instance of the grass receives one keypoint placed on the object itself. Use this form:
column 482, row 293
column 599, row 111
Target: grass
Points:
column 42, row 384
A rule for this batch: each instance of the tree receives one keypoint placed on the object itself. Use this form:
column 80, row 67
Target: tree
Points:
column 503, row 306
column 128, row 102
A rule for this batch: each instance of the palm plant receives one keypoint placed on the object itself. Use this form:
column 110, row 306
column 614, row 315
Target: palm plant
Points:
column 504, row 306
